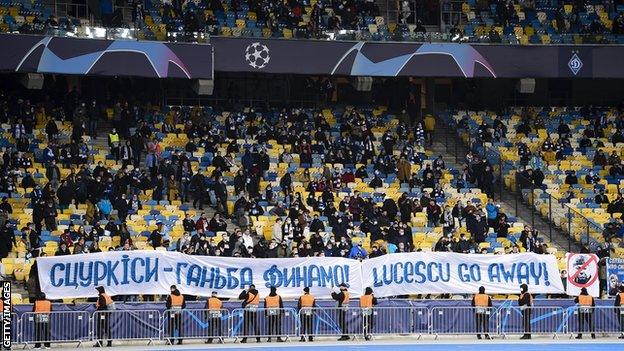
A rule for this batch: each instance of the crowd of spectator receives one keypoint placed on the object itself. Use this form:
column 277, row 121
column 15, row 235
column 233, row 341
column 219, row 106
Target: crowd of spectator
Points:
column 566, row 16
column 575, row 154
column 327, row 222
column 497, row 21
column 196, row 15
column 311, row 19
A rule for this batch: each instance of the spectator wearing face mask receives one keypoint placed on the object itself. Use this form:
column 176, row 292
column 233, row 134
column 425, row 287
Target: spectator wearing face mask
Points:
column 357, row 252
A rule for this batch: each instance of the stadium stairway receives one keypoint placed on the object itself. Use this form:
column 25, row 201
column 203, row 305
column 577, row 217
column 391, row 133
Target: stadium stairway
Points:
column 453, row 151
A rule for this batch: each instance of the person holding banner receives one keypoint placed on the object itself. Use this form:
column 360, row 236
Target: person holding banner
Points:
column 367, row 301
column 619, row 309
column 273, row 306
column 482, row 304
column 251, row 301
column 343, row 305
column 42, row 308
column 213, row 315
column 104, row 303
column 305, row 305
column 525, row 302
column 175, row 303
column 586, row 306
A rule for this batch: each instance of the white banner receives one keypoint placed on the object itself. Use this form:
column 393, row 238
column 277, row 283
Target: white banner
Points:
column 153, row 272
column 582, row 273
column 454, row 273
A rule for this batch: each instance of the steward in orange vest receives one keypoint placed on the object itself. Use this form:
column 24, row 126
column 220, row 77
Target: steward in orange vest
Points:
column 273, row 301
column 251, row 300
column 250, row 297
column 482, row 304
column 42, row 308
column 213, row 303
column 104, row 303
column 343, row 304
column 273, row 309
column 586, row 313
column 175, row 303
column 306, row 300
column 342, row 297
column 367, row 301
column 305, row 305
column 214, row 307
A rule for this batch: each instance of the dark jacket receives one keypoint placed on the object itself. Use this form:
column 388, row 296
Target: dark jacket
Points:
column 524, row 300
column 338, row 297
column 244, row 295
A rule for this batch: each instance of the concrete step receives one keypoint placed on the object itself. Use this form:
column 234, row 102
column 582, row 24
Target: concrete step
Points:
column 508, row 201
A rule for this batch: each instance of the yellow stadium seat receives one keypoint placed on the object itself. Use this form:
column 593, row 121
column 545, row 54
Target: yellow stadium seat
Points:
column 16, row 299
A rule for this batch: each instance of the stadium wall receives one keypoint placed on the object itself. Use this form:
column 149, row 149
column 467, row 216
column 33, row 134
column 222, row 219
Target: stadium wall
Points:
column 46, row 54
column 390, row 59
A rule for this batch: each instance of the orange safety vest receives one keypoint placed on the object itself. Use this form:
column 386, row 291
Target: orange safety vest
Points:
column 43, row 306
column 585, row 300
column 307, row 300
column 176, row 300
column 621, row 298
column 214, row 303
column 530, row 298
column 366, row 301
column 345, row 300
column 253, row 299
column 107, row 300
column 481, row 300
column 272, row 301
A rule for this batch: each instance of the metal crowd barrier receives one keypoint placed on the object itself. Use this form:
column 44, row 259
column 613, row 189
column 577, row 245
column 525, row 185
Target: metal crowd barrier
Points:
column 57, row 327
column 202, row 324
column 603, row 320
column 352, row 322
column 399, row 321
column 531, row 320
column 335, row 321
column 16, row 328
column 126, row 325
column 271, row 323
column 481, row 321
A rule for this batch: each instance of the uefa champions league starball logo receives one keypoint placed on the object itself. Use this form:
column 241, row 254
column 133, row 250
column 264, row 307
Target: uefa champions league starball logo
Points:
column 257, row 55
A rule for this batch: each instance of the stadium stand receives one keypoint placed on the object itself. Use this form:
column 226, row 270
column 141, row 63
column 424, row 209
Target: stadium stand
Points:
column 578, row 154
column 279, row 183
column 540, row 22
column 544, row 22
column 322, row 180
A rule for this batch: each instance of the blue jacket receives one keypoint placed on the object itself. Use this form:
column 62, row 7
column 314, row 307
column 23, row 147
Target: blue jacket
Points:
column 357, row 251
column 492, row 211
column 105, row 206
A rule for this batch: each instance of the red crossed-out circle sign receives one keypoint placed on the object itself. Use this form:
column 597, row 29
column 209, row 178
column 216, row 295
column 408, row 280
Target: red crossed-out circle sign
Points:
column 592, row 260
